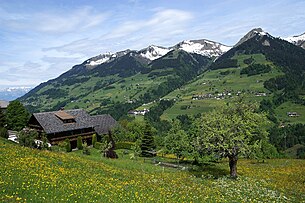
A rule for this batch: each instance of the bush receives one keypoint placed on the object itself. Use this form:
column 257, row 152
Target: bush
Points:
column 86, row 150
column 26, row 137
column 94, row 140
column 79, row 143
column 124, row 145
column 98, row 145
column 301, row 153
column 68, row 145
column 3, row 133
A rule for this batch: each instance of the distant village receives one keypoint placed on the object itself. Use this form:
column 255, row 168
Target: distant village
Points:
column 224, row 95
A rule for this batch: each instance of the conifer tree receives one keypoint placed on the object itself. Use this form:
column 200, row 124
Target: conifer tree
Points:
column 147, row 144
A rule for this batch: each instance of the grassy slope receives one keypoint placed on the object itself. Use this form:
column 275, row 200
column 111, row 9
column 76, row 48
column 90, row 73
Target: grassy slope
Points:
column 282, row 110
column 130, row 89
column 213, row 82
column 29, row 175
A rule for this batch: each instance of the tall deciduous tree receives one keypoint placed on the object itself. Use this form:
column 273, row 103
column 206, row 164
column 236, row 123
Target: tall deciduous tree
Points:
column 177, row 141
column 231, row 131
column 16, row 116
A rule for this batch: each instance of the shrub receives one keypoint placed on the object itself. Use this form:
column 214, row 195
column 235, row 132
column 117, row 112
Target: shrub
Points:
column 98, row 145
column 26, row 137
column 3, row 133
column 68, row 145
column 86, row 150
column 62, row 146
column 301, row 153
column 79, row 143
column 94, row 140
column 124, row 145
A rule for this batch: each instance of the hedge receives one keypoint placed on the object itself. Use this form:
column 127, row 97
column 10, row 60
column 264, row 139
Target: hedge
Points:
column 98, row 145
column 124, row 145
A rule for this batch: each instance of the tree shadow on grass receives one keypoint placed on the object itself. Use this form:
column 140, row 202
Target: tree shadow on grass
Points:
column 210, row 170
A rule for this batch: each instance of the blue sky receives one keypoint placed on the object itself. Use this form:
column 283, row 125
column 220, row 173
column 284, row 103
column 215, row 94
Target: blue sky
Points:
column 42, row 39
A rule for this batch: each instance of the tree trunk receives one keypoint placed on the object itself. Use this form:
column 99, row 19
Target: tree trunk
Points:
column 233, row 165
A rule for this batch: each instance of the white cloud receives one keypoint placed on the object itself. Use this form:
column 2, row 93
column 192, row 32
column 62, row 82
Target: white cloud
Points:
column 80, row 19
column 53, row 22
column 163, row 24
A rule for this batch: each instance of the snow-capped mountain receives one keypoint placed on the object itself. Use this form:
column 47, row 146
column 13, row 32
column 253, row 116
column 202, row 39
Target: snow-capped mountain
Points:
column 298, row 40
column 106, row 57
column 154, row 52
column 203, row 47
column 12, row 93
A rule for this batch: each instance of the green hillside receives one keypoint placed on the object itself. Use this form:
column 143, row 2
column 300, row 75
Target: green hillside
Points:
column 30, row 175
column 228, row 81
column 118, row 86
column 261, row 68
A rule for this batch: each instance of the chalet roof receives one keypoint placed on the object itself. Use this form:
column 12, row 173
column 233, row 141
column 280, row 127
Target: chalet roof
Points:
column 103, row 123
column 63, row 115
column 51, row 123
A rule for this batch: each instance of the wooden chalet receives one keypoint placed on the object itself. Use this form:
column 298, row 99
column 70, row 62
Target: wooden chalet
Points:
column 63, row 124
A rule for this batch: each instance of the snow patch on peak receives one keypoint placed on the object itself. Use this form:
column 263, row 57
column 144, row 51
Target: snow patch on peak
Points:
column 295, row 38
column 298, row 40
column 203, row 47
column 104, row 58
column 154, row 52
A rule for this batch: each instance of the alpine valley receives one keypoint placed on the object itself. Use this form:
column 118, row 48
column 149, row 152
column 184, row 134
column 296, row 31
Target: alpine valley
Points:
column 195, row 75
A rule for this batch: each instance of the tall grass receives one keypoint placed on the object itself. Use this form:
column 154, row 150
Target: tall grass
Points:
column 30, row 175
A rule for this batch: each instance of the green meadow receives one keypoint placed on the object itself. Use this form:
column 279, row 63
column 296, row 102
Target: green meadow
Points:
column 30, row 175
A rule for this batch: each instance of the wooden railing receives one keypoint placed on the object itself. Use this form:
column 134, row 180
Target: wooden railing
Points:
column 73, row 137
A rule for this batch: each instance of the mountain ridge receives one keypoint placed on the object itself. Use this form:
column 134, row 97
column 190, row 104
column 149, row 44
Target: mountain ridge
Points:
column 125, row 80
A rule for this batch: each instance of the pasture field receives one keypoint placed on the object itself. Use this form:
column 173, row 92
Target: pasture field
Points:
column 30, row 175
column 282, row 110
column 215, row 82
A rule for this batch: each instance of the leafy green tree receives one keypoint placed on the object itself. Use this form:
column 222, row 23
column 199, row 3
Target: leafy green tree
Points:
column 231, row 131
column 79, row 143
column 16, row 116
column 135, row 130
column 147, row 142
column 263, row 150
column 177, row 141
column 26, row 137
